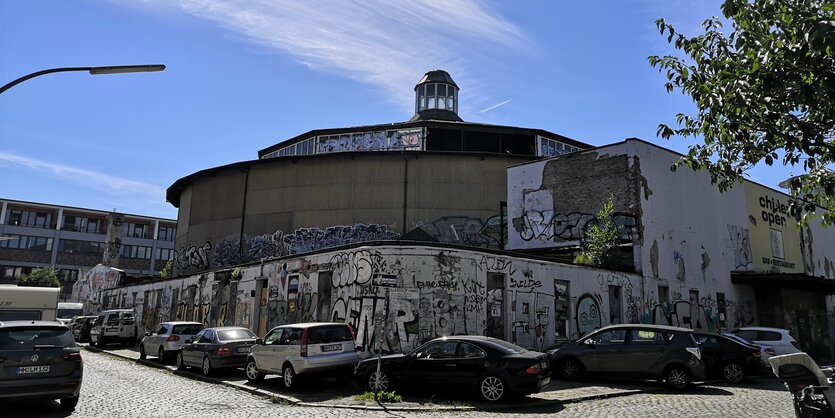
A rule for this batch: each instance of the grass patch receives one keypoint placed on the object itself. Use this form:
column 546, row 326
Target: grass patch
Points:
column 386, row 397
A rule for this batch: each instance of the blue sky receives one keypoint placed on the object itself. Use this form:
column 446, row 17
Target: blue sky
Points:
column 244, row 74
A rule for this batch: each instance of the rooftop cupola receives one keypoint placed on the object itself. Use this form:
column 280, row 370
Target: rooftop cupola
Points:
column 436, row 97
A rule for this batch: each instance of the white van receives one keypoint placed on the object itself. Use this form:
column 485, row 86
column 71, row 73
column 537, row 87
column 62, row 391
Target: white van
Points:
column 114, row 326
column 23, row 303
column 67, row 311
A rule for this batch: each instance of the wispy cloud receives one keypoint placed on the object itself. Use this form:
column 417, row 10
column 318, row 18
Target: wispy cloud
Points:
column 105, row 183
column 495, row 106
column 382, row 43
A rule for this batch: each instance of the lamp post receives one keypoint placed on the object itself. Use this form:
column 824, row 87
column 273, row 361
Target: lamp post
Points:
column 116, row 69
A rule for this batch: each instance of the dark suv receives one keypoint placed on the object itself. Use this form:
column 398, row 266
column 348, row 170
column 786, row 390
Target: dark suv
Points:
column 633, row 351
column 39, row 359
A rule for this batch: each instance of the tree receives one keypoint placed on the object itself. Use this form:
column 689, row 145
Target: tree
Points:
column 40, row 277
column 765, row 92
column 167, row 269
column 600, row 248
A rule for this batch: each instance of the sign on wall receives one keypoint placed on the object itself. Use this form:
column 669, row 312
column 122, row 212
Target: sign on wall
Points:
column 774, row 235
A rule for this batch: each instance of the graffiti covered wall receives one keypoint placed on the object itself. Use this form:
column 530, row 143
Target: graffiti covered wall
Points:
column 394, row 297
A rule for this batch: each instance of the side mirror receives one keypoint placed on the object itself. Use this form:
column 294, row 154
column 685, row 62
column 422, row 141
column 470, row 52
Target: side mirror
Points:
column 259, row 341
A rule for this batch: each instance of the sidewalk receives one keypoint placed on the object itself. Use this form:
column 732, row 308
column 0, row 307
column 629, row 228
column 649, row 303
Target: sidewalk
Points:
column 329, row 394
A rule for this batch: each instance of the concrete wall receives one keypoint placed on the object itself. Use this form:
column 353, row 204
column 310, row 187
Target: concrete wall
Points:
column 300, row 204
column 439, row 292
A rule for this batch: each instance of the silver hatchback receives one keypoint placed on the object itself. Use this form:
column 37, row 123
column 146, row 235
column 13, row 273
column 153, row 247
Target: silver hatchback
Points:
column 304, row 349
column 167, row 339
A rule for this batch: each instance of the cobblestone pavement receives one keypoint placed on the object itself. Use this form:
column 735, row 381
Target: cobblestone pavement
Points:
column 119, row 388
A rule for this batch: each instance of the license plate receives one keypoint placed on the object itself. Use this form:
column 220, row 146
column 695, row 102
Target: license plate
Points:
column 32, row 369
column 243, row 349
column 332, row 347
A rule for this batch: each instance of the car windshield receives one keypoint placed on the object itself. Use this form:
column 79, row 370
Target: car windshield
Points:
column 188, row 329
column 34, row 337
column 235, row 334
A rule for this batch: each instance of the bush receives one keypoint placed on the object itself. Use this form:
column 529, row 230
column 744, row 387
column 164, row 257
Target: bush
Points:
column 42, row 277
column 387, row 397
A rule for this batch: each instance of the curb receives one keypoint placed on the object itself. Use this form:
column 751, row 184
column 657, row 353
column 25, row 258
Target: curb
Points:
column 297, row 402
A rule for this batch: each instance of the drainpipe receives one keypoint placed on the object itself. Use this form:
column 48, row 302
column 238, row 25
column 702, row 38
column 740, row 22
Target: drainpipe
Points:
column 405, row 189
column 243, row 216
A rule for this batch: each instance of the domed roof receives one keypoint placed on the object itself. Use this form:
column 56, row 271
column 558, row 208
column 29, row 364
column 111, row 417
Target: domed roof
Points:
column 436, row 76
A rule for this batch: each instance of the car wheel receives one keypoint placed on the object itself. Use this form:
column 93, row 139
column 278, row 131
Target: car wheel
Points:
column 492, row 389
column 677, row 377
column 252, row 373
column 207, row 367
column 142, row 355
column 732, row 373
column 180, row 364
column 161, row 355
column 378, row 381
column 570, row 369
column 68, row 404
column 288, row 376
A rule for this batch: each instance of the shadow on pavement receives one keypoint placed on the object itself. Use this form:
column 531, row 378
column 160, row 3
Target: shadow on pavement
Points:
column 32, row 407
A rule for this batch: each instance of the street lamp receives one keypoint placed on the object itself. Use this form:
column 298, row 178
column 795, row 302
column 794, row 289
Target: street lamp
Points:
column 116, row 69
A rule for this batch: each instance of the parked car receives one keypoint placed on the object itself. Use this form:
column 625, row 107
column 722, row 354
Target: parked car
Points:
column 81, row 327
column 728, row 358
column 304, row 349
column 766, row 351
column 493, row 367
column 114, row 326
column 167, row 339
column 39, row 359
column 638, row 351
column 216, row 348
column 778, row 338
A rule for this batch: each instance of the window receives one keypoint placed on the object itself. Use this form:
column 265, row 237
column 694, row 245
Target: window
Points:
column 647, row 337
column 750, row 335
column 82, row 224
column 167, row 233
column 439, row 350
column 136, row 251
column 30, row 219
column 207, row 337
column 467, row 350
column 292, row 336
column 77, row 246
column 549, row 147
column 165, row 254
column 707, row 341
column 770, row 336
column 26, row 242
column 329, row 334
column 274, row 336
column 663, row 294
column 161, row 330
column 30, row 337
column 131, row 229
column 615, row 336
column 235, row 334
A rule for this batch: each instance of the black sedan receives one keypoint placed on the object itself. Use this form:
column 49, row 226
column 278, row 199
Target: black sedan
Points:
column 729, row 358
column 216, row 348
column 493, row 367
